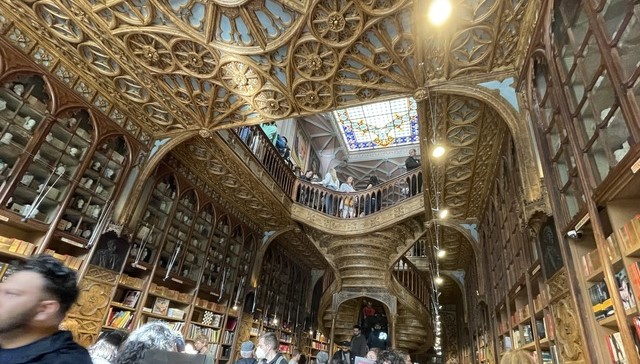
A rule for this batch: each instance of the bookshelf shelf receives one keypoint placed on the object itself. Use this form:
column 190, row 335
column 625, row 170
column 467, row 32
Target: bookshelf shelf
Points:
column 162, row 317
column 530, row 346
column 123, row 307
column 208, row 326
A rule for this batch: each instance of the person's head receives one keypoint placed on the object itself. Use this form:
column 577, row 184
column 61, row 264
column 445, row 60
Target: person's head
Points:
column 154, row 335
column 373, row 354
column 246, row 349
column 374, row 181
column 267, row 346
column 345, row 345
column 309, row 174
column 200, row 342
column 389, row 357
column 334, row 175
column 350, row 180
column 356, row 330
column 412, row 152
column 517, row 357
column 107, row 345
column 405, row 356
column 322, row 357
column 377, row 326
column 37, row 295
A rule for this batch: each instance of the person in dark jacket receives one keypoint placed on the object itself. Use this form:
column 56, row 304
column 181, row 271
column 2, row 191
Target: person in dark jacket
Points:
column 33, row 303
column 358, row 343
column 415, row 183
column 378, row 338
column 246, row 353
column 344, row 355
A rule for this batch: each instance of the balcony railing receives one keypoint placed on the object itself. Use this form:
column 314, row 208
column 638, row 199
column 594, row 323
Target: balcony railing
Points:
column 319, row 198
column 361, row 203
column 412, row 279
column 266, row 153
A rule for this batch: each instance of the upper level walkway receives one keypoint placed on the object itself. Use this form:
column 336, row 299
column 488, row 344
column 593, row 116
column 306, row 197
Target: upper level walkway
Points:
column 314, row 196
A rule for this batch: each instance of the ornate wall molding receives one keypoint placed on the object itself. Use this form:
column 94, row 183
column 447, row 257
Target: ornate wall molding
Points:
column 362, row 225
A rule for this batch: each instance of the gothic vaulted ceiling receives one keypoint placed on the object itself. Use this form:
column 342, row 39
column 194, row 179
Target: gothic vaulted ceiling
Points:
column 172, row 65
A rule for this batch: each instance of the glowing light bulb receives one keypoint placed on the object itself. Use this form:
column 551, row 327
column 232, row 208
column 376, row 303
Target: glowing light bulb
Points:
column 438, row 280
column 438, row 151
column 439, row 11
column 442, row 214
column 442, row 253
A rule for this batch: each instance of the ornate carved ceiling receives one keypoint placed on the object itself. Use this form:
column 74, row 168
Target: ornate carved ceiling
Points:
column 472, row 133
column 460, row 254
column 209, row 64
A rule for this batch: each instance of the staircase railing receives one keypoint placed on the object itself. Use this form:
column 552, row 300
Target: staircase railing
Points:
column 362, row 203
column 327, row 280
column 266, row 153
column 411, row 278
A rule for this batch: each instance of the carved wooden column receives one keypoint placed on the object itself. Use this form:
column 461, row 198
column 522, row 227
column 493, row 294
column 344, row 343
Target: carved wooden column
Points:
column 565, row 317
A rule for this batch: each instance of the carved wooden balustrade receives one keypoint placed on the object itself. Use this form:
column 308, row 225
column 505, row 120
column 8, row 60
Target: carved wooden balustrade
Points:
column 267, row 154
column 362, row 203
column 411, row 278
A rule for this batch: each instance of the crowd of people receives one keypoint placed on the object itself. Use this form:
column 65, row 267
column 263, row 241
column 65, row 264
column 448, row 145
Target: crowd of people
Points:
column 36, row 297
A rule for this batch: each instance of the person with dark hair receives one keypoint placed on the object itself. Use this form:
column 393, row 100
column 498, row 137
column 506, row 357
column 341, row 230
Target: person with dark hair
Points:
column 150, row 336
column 104, row 351
column 378, row 338
column 344, row 354
column 267, row 349
column 33, row 303
column 358, row 342
column 390, row 357
column 415, row 183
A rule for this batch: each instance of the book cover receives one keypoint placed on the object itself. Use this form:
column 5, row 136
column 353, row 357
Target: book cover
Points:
column 624, row 287
column 131, row 298
column 161, row 306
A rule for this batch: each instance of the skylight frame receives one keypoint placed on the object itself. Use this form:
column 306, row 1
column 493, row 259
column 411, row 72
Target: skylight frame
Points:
column 371, row 126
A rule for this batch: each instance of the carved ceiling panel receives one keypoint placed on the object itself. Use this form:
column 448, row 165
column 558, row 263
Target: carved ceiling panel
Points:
column 301, row 249
column 193, row 64
column 228, row 177
column 472, row 133
column 460, row 254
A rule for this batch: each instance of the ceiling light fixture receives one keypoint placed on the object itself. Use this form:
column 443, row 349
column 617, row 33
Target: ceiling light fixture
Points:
column 438, row 280
column 441, row 253
column 439, row 11
column 438, row 151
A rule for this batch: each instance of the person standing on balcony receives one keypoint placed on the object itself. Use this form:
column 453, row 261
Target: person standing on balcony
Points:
column 415, row 183
column 347, row 204
column 331, row 182
column 271, row 130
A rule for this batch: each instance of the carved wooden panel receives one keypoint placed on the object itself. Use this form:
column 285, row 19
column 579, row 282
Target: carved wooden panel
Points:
column 86, row 316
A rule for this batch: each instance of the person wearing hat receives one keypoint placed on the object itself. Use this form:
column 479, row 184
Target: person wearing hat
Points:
column 344, row 354
column 200, row 344
column 246, row 353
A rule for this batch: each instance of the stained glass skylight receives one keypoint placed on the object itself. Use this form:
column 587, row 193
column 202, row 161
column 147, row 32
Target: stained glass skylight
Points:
column 379, row 125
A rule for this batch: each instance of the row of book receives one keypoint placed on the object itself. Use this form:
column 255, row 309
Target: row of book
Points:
column 17, row 246
column 228, row 336
column 601, row 302
column 520, row 315
column 541, row 299
column 548, row 356
column 68, row 260
column 121, row 319
column 629, row 234
column 212, row 335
